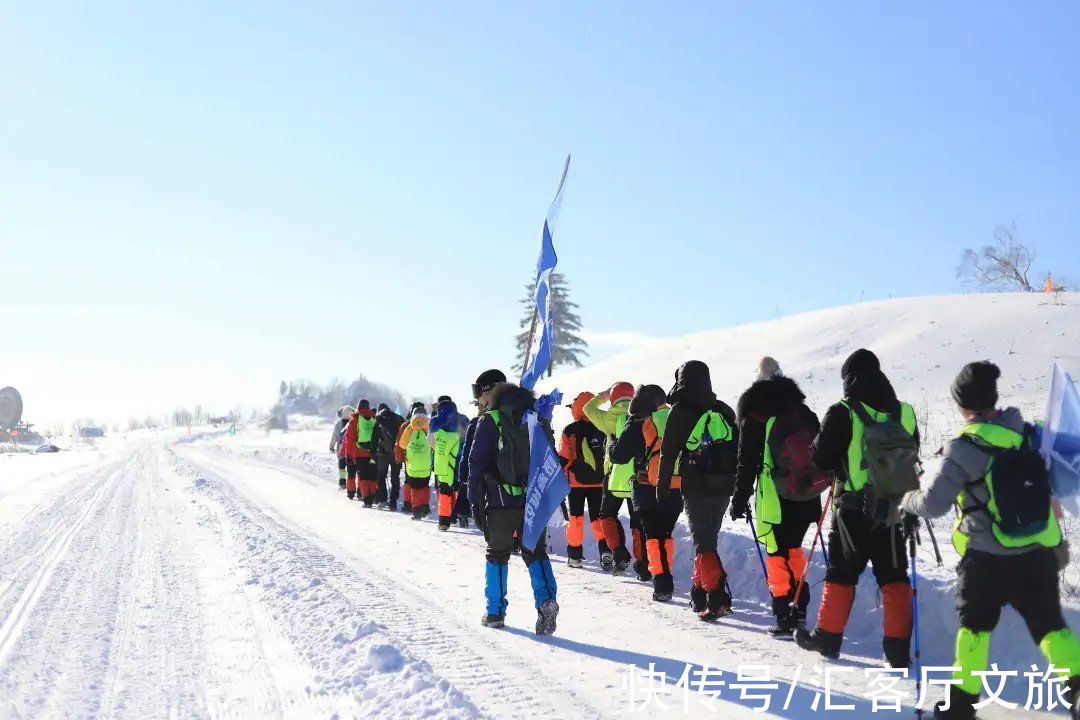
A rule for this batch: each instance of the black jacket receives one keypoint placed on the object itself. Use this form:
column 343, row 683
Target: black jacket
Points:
column 863, row 382
column 485, row 488
column 631, row 444
column 387, row 424
column 681, row 421
column 690, row 398
column 763, row 400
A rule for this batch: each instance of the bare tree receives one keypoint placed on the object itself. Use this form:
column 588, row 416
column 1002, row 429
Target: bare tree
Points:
column 1004, row 265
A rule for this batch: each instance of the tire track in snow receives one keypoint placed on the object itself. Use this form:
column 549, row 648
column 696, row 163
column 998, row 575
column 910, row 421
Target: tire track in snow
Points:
column 464, row 660
column 51, row 556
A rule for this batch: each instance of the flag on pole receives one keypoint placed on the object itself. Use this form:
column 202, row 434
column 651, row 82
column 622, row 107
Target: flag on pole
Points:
column 545, row 265
column 1060, row 441
column 548, row 485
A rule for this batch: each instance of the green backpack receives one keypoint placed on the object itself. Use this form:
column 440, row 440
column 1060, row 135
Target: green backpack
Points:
column 890, row 459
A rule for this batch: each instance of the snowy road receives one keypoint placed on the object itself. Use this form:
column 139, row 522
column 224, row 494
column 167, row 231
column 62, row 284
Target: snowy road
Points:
column 162, row 578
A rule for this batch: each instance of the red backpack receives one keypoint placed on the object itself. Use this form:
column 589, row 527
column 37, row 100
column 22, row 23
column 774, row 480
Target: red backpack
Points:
column 787, row 452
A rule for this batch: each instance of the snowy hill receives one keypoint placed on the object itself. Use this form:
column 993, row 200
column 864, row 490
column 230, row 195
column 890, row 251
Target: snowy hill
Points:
column 922, row 344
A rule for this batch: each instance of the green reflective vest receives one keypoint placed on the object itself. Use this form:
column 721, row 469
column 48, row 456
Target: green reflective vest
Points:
column 766, row 499
column 447, row 443
column 856, row 464
column 996, row 436
column 620, row 480
column 418, row 455
column 507, row 488
column 364, row 428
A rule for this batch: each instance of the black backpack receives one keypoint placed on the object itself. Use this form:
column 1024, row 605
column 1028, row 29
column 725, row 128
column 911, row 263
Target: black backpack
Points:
column 716, row 456
column 1020, row 485
column 513, row 453
column 595, row 441
column 793, row 471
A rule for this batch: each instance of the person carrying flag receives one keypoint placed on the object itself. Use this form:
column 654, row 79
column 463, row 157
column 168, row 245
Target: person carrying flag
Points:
column 499, row 458
column 1007, row 535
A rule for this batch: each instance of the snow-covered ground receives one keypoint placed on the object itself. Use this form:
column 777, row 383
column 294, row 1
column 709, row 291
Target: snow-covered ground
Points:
column 217, row 575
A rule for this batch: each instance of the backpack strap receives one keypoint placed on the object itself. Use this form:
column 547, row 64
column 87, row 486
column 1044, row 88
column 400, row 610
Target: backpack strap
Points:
column 856, row 407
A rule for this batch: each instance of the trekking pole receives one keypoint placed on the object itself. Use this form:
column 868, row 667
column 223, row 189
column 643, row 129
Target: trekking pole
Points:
column 915, row 624
column 933, row 541
column 565, row 512
column 757, row 544
column 817, row 536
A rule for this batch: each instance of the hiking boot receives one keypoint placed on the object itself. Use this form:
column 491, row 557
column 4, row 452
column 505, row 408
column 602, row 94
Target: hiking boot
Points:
column 350, row 495
column 406, row 508
column 443, row 528
column 619, row 567
column 713, row 614
column 368, row 503
column 641, row 568
column 697, row 599
column 384, row 505
column 824, row 643
column 575, row 562
column 897, row 652
column 785, row 623
column 492, row 621
column 607, row 562
column 961, row 706
column 545, row 617
column 463, row 522
column 659, row 596
column 341, row 484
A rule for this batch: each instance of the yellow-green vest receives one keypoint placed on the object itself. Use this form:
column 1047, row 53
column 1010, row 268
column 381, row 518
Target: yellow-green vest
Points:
column 621, row 478
column 418, row 455
column 996, row 436
column 447, row 443
column 857, row 474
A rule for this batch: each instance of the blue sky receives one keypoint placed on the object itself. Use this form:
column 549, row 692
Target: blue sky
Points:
column 197, row 201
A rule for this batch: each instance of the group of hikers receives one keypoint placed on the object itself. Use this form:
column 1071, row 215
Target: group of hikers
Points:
column 768, row 462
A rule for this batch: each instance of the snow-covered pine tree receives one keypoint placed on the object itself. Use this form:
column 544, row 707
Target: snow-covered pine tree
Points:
column 569, row 347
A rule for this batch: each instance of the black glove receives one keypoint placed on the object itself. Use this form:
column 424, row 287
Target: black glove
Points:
column 663, row 494
column 479, row 517
column 740, row 509
column 910, row 523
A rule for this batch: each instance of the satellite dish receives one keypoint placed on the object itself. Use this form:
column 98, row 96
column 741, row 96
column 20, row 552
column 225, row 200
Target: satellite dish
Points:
column 11, row 408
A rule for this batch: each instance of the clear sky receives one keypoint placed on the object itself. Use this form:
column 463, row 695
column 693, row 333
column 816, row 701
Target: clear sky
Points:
column 200, row 199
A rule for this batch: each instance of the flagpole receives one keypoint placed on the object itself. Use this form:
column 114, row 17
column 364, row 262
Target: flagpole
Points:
column 528, row 346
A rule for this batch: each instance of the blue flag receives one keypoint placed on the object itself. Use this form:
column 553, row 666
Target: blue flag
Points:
column 547, row 482
column 1060, row 441
column 545, row 265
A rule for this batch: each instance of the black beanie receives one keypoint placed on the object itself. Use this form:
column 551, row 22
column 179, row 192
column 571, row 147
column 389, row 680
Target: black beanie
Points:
column 383, row 406
column 444, row 399
column 363, row 405
column 975, row 388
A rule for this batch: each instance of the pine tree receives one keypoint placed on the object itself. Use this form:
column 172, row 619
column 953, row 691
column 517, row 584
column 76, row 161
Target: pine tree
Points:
column 568, row 347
